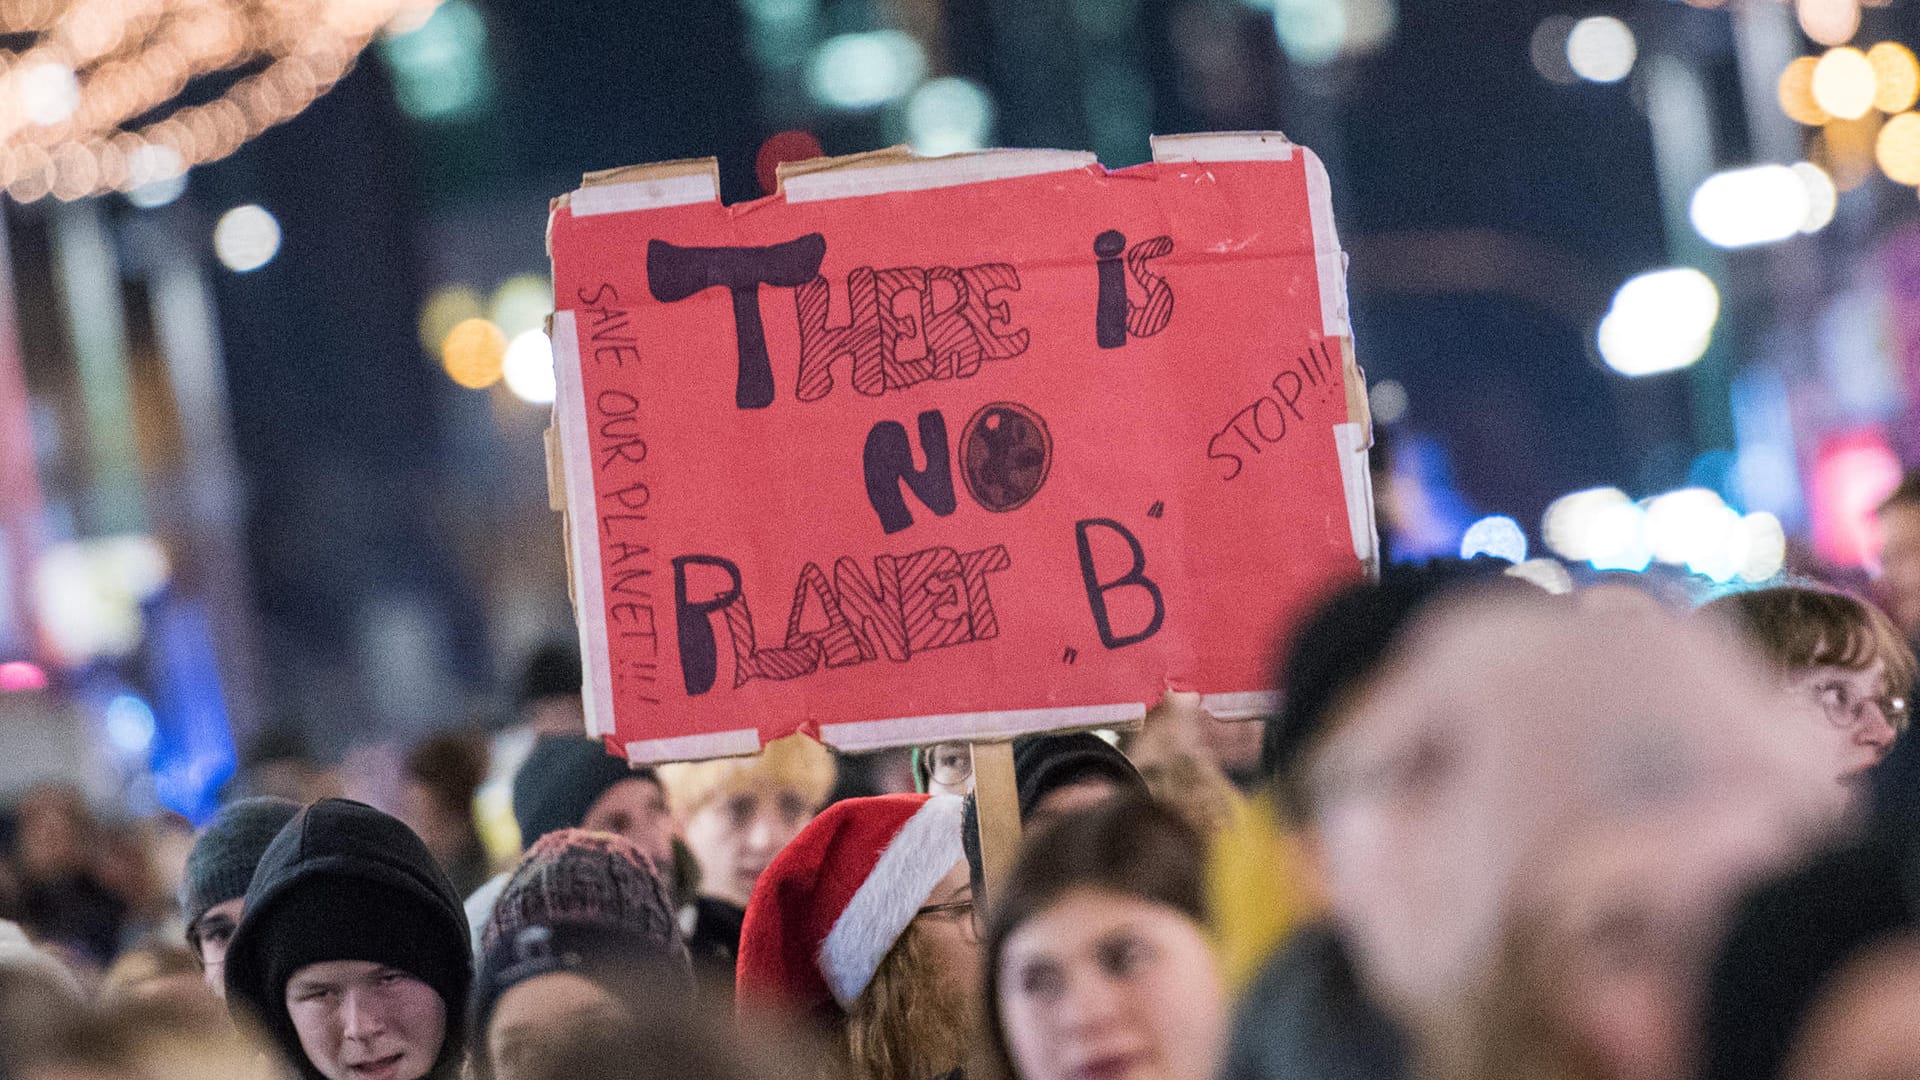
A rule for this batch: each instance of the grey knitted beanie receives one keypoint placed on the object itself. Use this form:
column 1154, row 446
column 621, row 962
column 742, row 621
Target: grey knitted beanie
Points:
column 226, row 851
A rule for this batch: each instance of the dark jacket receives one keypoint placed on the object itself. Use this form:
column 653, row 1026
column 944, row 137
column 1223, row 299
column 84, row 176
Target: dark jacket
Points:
column 1306, row 1018
column 344, row 881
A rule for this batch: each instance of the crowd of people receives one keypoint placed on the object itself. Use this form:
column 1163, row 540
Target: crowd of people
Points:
column 1492, row 833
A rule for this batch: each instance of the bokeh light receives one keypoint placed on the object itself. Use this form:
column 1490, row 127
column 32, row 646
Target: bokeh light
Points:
column 1498, row 536
column 474, row 354
column 865, row 70
column 447, row 307
column 1660, row 321
column 1568, row 525
column 1548, row 49
column 1600, row 48
column 1843, row 83
column 1896, row 77
column 49, row 92
column 1743, row 207
column 1388, row 402
column 1312, row 32
column 949, row 116
column 1898, row 148
column 1823, row 199
column 1677, row 520
column 440, row 68
column 521, row 303
column 130, row 724
column 1829, row 22
column 1766, row 546
column 18, row 675
column 246, row 238
column 1796, row 93
column 1617, row 539
column 528, row 367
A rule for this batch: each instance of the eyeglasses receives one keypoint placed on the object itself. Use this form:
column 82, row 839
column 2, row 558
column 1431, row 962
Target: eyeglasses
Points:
column 1848, row 712
column 962, row 910
column 950, row 764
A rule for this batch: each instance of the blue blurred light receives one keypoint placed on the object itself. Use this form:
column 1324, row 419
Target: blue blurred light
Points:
column 1499, row 536
column 130, row 724
column 440, row 70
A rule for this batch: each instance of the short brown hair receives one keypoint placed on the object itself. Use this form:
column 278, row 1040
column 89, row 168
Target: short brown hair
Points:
column 1797, row 628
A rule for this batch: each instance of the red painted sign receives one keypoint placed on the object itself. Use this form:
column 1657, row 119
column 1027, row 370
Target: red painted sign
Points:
column 949, row 448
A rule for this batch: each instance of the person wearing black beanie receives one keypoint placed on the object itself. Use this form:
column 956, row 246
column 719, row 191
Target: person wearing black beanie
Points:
column 352, row 952
column 214, row 883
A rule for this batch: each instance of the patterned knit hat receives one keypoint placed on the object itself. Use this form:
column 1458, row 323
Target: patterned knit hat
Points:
column 576, row 876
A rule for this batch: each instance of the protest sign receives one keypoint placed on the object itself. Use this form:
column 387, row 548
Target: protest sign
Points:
column 952, row 448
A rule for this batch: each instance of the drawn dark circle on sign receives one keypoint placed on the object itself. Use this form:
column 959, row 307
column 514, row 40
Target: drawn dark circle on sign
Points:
column 1005, row 454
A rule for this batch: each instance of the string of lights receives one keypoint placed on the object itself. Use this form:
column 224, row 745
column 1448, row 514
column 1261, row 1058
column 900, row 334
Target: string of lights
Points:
column 92, row 91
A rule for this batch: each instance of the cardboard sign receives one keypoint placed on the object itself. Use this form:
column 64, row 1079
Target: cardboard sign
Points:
column 952, row 448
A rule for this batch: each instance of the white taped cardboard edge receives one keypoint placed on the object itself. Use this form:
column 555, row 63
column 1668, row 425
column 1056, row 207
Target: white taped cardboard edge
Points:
column 652, row 194
column 984, row 726
column 931, row 173
column 1223, row 146
column 1350, row 442
column 720, row 744
column 1242, row 705
column 590, row 614
column 1328, row 259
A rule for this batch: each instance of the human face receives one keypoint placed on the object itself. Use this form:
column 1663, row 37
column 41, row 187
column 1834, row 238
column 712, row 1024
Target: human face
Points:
column 212, row 933
column 359, row 1020
column 1862, row 1029
column 1900, row 566
column 949, row 926
column 737, row 833
column 637, row 810
column 1101, row 986
column 1848, row 709
column 543, row 1013
column 1624, row 917
column 950, row 769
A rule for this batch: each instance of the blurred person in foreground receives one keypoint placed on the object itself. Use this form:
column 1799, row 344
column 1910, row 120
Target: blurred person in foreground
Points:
column 584, row 929
column 352, row 951
column 679, row 1038
column 1843, row 666
column 185, row 1038
column 1098, row 962
column 443, row 772
column 1305, row 1013
column 1488, row 723
column 570, row 782
column 864, row 925
column 736, row 815
column 1819, row 978
column 220, row 864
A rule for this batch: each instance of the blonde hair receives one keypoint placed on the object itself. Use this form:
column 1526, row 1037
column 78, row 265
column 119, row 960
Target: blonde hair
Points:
column 795, row 762
column 911, row 1022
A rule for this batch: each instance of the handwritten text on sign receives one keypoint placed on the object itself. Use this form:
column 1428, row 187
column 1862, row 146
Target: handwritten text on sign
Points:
column 1006, row 455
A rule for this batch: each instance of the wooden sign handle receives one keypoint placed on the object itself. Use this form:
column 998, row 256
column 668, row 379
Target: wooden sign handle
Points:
column 997, row 805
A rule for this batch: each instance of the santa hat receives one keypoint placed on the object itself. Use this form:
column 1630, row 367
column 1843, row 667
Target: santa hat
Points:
column 825, row 913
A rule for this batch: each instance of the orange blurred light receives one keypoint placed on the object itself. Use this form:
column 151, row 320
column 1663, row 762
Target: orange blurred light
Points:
column 474, row 354
column 1896, row 77
column 1843, row 83
column 1796, row 93
column 1898, row 148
